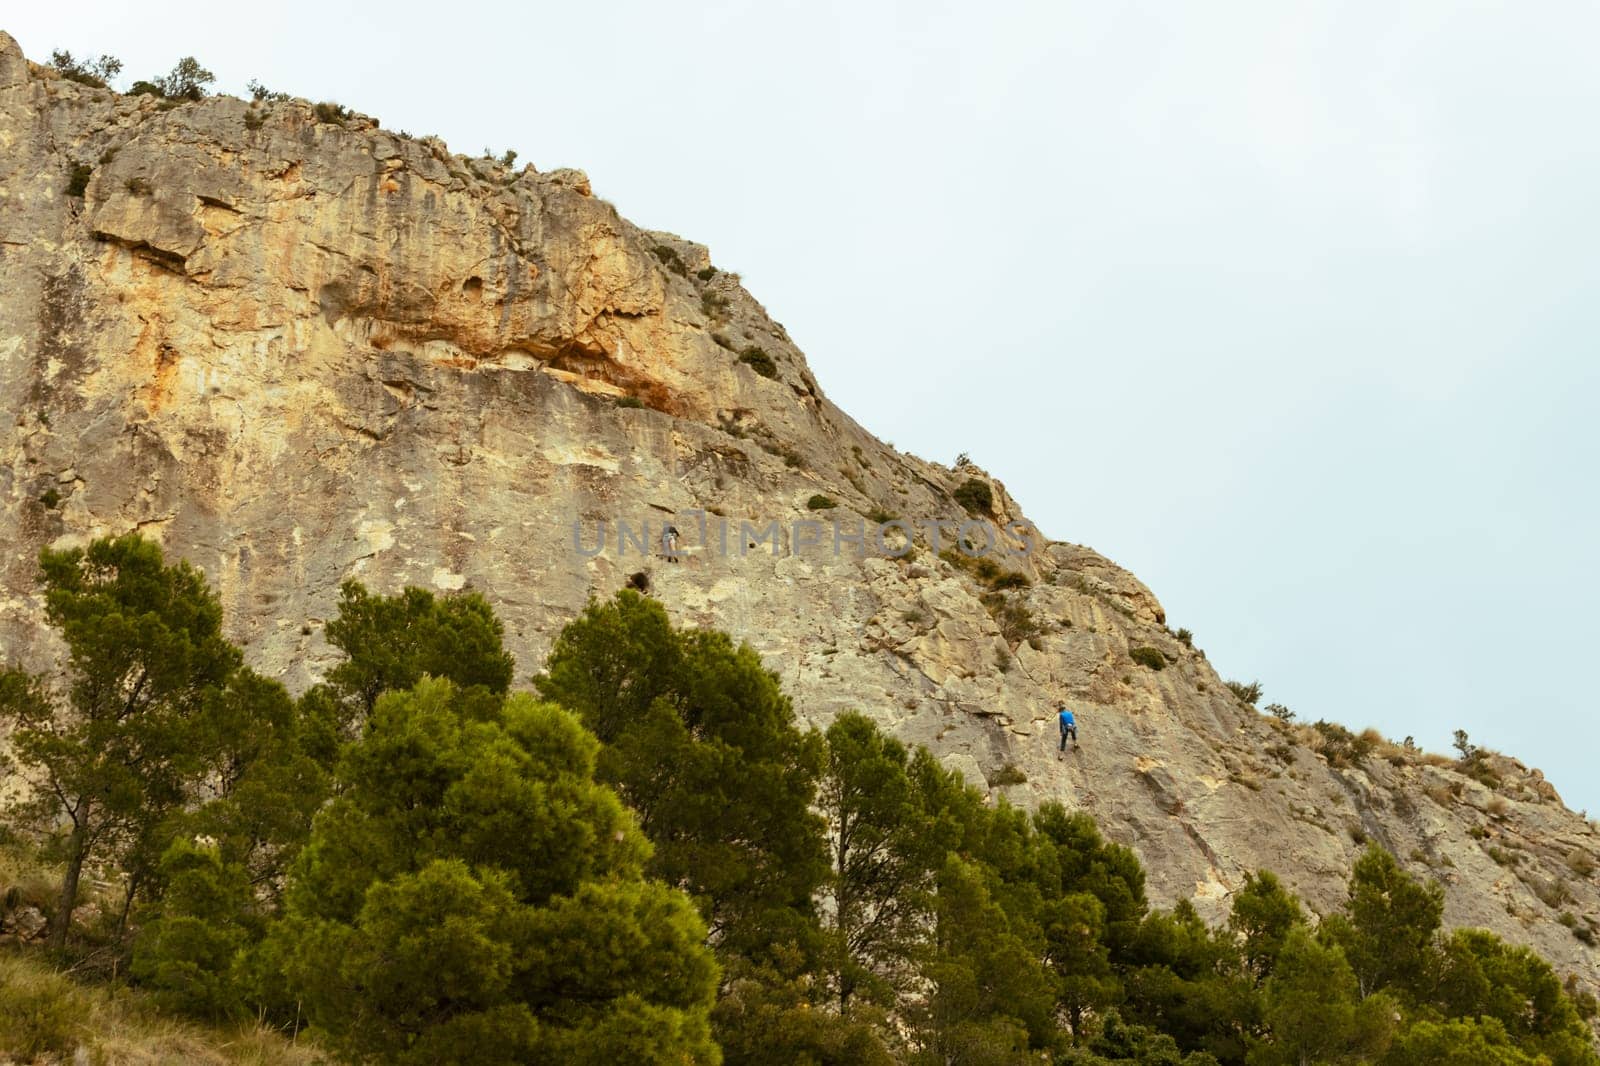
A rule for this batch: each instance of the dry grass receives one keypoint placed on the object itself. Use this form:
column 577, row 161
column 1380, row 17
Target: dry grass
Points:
column 24, row 882
column 46, row 1016
column 1552, row 893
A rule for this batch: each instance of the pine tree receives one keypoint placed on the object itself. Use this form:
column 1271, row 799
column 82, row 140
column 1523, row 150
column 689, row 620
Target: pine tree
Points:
column 1262, row 915
column 146, row 660
column 701, row 742
column 886, row 847
column 1190, row 981
column 472, row 895
column 268, row 774
column 1458, row 1042
column 1315, row 1011
column 392, row 642
column 989, row 999
column 1390, row 927
column 188, row 950
column 1481, row 976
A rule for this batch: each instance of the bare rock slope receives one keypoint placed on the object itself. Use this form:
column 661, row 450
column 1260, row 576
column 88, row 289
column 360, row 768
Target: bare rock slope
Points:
column 296, row 347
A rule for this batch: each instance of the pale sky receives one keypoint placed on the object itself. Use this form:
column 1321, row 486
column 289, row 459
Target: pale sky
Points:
column 1290, row 308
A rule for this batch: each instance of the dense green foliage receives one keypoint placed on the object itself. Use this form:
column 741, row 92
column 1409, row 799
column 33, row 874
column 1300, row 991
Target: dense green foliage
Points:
column 701, row 742
column 146, row 661
column 656, row 863
column 472, row 895
column 392, row 642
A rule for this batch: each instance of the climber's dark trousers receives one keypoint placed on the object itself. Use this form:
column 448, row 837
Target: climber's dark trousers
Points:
column 1070, row 731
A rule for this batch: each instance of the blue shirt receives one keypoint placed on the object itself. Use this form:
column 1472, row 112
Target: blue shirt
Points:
column 1066, row 720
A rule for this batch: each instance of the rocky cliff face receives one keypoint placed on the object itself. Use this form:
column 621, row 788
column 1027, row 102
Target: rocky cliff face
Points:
column 297, row 348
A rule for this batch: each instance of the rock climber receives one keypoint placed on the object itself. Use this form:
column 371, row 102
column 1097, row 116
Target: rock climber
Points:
column 1069, row 727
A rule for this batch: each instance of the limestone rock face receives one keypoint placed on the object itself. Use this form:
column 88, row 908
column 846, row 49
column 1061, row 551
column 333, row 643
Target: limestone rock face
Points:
column 298, row 350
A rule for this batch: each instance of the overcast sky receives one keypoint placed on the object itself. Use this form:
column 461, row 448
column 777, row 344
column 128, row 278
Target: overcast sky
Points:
column 1292, row 309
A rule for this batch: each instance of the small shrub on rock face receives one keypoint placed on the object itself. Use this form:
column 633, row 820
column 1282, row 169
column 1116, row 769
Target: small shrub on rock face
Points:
column 1185, row 638
column 670, row 259
column 79, row 183
column 1016, row 622
column 758, row 360
column 819, row 502
column 332, row 113
column 1248, row 693
column 981, row 567
column 1148, row 657
column 186, row 81
column 94, row 72
column 706, row 273
column 976, row 496
column 629, row 402
column 1553, row 894
column 1340, row 746
column 50, row 498
column 263, row 94
column 1280, row 712
column 1009, row 774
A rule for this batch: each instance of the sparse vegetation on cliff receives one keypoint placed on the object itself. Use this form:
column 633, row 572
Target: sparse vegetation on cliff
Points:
column 670, row 259
column 1247, row 693
column 93, row 72
column 187, row 80
column 332, row 113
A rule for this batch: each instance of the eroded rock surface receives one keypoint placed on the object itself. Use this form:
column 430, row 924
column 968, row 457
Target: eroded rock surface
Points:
column 297, row 351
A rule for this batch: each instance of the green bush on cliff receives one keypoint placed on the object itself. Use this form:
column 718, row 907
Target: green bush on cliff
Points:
column 758, row 360
column 975, row 495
